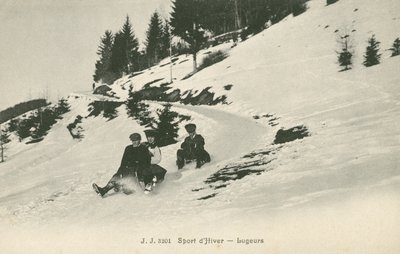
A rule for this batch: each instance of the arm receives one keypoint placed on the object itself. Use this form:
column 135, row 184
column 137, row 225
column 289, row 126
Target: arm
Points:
column 200, row 142
column 124, row 160
column 144, row 157
column 156, row 157
column 184, row 144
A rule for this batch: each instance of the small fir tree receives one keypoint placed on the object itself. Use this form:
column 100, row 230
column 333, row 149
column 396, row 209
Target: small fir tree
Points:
column 137, row 109
column 345, row 55
column 396, row 47
column 4, row 139
column 167, row 126
column 372, row 55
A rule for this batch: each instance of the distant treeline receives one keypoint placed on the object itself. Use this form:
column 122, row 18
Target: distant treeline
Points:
column 193, row 23
column 20, row 109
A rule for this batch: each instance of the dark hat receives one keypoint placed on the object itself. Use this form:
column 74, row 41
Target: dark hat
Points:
column 150, row 133
column 190, row 127
column 135, row 137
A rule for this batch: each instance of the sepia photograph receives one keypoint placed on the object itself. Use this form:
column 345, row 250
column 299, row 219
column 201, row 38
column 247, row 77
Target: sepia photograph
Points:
column 200, row 126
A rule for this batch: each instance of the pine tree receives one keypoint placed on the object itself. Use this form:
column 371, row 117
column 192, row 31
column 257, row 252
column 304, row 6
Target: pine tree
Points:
column 102, row 71
column 137, row 109
column 345, row 55
column 167, row 126
column 118, row 55
column 396, row 47
column 371, row 56
column 131, row 47
column 185, row 23
column 221, row 16
column 165, row 40
column 154, row 39
column 124, row 53
column 47, row 119
column 4, row 139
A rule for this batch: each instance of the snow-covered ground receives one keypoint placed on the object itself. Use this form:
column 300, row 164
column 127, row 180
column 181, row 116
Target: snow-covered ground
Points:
column 336, row 191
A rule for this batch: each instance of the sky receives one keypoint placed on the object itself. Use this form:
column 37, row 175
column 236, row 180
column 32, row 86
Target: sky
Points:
column 48, row 47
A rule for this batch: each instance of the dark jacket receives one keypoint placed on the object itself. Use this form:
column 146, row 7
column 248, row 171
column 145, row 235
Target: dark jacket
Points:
column 135, row 157
column 193, row 145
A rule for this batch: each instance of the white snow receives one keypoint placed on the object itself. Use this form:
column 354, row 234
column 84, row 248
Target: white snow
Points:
column 336, row 191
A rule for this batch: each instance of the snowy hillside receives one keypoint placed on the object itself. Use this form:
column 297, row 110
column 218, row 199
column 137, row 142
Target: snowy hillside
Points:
column 334, row 191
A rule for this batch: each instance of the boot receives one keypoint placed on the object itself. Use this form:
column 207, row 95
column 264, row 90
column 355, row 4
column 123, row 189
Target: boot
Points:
column 102, row 191
column 200, row 163
column 98, row 190
column 148, row 188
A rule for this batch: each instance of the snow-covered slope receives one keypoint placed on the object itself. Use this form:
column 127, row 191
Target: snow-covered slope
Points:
column 336, row 191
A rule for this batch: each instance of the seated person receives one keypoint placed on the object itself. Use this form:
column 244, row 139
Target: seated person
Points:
column 135, row 161
column 192, row 148
column 156, row 170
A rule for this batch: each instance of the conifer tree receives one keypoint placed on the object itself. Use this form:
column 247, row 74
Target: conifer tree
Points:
column 118, row 55
column 167, row 126
column 138, row 109
column 154, row 39
column 131, row 47
column 221, row 16
column 165, row 40
column 395, row 47
column 372, row 56
column 186, row 23
column 102, row 71
column 4, row 139
column 124, row 53
column 345, row 55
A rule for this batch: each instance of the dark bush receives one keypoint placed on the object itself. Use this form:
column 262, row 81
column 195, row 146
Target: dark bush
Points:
column 243, row 34
column 328, row 2
column 108, row 108
column 74, row 129
column 213, row 58
column 284, row 136
column 299, row 7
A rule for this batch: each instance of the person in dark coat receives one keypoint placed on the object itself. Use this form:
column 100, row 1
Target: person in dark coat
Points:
column 135, row 162
column 192, row 148
column 157, row 172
